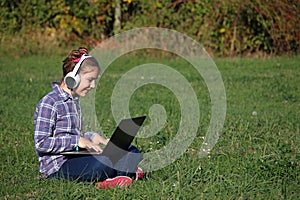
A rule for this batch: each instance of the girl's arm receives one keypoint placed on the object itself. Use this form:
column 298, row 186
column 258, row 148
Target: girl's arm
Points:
column 44, row 125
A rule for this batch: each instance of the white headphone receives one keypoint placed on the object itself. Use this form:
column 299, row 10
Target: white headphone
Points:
column 72, row 78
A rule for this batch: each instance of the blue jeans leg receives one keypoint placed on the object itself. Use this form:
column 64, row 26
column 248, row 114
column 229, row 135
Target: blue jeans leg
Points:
column 86, row 168
column 127, row 165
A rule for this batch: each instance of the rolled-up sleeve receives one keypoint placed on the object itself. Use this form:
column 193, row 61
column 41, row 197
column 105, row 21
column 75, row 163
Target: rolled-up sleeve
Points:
column 89, row 135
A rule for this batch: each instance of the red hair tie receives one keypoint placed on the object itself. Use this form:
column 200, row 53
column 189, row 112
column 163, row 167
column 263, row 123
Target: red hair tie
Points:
column 78, row 59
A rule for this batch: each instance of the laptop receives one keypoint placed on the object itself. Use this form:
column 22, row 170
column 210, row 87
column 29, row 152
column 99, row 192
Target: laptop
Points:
column 119, row 142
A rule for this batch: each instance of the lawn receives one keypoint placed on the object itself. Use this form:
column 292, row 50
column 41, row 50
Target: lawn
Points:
column 256, row 157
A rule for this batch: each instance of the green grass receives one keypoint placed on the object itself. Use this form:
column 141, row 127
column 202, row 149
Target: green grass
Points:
column 256, row 157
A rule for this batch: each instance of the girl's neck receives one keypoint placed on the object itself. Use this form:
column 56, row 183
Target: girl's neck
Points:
column 65, row 88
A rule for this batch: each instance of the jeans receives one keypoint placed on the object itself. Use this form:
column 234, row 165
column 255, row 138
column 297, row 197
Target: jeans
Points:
column 98, row 168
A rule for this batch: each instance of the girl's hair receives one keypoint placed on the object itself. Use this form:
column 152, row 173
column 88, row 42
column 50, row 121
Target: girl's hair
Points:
column 74, row 56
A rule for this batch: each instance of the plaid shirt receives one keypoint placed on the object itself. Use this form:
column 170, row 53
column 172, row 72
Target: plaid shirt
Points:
column 57, row 128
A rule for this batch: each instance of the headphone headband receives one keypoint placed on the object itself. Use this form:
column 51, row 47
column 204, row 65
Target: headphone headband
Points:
column 78, row 65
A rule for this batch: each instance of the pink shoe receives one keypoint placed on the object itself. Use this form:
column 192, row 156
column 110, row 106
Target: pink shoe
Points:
column 118, row 181
column 139, row 173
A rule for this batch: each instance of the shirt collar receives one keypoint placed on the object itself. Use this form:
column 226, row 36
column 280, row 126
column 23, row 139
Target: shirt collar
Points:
column 61, row 92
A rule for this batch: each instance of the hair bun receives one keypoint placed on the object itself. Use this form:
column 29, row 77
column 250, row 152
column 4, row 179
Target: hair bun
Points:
column 83, row 50
column 76, row 54
column 73, row 57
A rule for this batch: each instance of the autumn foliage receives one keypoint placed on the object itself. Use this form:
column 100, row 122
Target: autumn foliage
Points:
column 223, row 27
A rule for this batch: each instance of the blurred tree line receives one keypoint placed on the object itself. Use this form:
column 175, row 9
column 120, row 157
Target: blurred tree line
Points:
column 223, row 27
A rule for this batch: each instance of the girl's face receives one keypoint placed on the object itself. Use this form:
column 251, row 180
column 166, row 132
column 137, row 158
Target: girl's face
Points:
column 87, row 82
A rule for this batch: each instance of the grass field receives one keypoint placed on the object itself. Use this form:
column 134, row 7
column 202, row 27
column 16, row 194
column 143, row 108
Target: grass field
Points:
column 256, row 157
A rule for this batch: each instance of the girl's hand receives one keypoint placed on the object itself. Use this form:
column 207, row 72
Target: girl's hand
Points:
column 98, row 139
column 87, row 144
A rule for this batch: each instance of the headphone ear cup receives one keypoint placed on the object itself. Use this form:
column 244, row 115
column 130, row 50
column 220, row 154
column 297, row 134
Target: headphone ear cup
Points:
column 72, row 80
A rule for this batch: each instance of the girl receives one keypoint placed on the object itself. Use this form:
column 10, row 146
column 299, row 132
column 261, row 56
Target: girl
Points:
column 57, row 128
